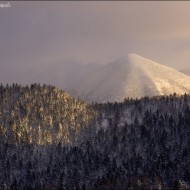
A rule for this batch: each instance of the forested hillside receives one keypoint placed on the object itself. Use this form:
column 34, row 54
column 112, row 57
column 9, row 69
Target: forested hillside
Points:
column 51, row 141
column 148, row 141
column 41, row 115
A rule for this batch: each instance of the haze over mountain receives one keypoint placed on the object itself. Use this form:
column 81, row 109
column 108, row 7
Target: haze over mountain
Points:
column 62, row 74
column 132, row 76
column 186, row 71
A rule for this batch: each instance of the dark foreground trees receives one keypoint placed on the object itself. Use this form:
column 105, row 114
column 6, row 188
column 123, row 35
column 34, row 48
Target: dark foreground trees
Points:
column 50, row 141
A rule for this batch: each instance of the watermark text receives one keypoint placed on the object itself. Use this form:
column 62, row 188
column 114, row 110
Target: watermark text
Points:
column 5, row 5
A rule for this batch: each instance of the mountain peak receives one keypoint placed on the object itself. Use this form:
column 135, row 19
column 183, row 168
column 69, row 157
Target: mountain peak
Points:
column 137, row 59
column 134, row 77
column 134, row 55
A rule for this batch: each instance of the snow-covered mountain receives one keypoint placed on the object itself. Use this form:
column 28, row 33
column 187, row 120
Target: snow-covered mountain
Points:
column 132, row 76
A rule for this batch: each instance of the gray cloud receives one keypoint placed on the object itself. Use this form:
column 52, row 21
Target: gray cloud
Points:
column 34, row 35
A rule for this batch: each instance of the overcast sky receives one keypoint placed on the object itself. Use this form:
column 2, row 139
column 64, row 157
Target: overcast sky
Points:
column 37, row 34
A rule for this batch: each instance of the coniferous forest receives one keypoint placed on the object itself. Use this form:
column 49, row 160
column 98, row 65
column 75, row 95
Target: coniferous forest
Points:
column 49, row 140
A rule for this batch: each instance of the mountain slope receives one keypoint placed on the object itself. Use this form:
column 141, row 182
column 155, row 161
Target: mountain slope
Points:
column 134, row 77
